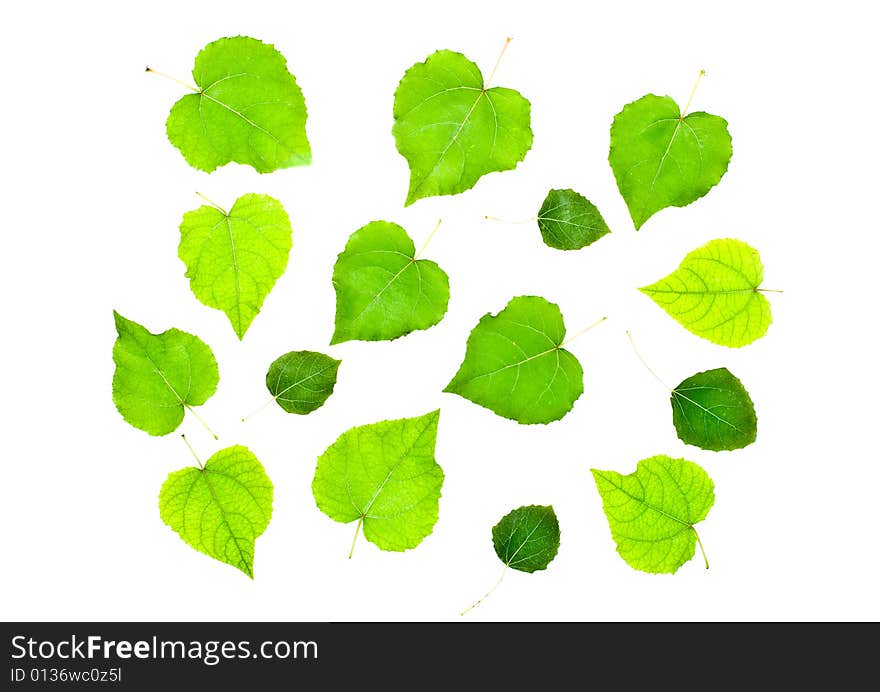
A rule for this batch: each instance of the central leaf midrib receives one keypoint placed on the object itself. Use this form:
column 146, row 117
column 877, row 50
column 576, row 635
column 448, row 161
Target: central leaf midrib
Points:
column 525, row 540
column 299, row 382
column 234, row 270
column 158, row 370
column 241, row 555
column 376, row 297
column 363, row 513
column 648, row 504
column 518, row 363
column 454, row 137
column 242, row 116
column 700, row 406
column 680, row 119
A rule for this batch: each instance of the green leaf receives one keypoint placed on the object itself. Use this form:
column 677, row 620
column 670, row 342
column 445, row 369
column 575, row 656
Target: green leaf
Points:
column 158, row 375
column 714, row 293
column 569, row 221
column 301, row 381
column 384, row 477
column 712, row 410
column 234, row 259
column 452, row 129
column 220, row 509
column 661, row 159
column 515, row 365
column 652, row 511
column 382, row 290
column 527, row 538
column 247, row 108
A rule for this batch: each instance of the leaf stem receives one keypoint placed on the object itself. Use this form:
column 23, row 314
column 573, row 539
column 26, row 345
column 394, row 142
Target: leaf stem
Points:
column 213, row 204
column 201, row 420
column 193, row 452
column 693, row 91
column 175, row 79
column 770, row 290
column 258, row 410
column 356, row 531
column 486, row 595
column 581, row 332
column 497, row 62
column 427, row 240
column 495, row 218
column 702, row 550
column 644, row 362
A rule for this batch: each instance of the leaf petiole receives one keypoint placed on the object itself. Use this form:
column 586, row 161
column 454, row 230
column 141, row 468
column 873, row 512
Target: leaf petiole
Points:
column 693, row 91
column 427, row 240
column 175, row 79
column 357, row 530
column 497, row 63
column 644, row 362
column 258, row 410
column 200, row 420
column 486, row 595
column 581, row 332
column 702, row 550
column 495, row 218
column 213, row 204
column 193, row 452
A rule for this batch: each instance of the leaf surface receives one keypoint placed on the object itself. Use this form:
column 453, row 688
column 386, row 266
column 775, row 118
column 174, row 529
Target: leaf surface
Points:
column 220, row 509
column 527, row 538
column 569, row 221
column 158, row 375
column 233, row 259
column 452, row 130
column 248, row 109
column 715, row 293
column 301, row 381
column 712, row 410
column 652, row 511
column 384, row 477
column 382, row 291
column 661, row 159
column 515, row 366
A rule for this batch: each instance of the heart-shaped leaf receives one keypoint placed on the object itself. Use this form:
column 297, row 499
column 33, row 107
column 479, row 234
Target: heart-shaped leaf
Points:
column 382, row 290
column 515, row 365
column 159, row 376
column 247, row 108
column 452, row 129
column 221, row 508
column 715, row 293
column 662, row 158
column 652, row 511
column 384, row 477
column 234, row 258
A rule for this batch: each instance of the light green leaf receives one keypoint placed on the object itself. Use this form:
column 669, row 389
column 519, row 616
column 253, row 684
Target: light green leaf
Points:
column 714, row 293
column 384, row 477
column 301, row 381
column 712, row 410
column 569, row 221
column 661, row 159
column 220, row 509
column 515, row 364
column 652, row 511
column 247, row 108
column 233, row 259
column 382, row 290
column 527, row 538
column 452, row 129
column 158, row 375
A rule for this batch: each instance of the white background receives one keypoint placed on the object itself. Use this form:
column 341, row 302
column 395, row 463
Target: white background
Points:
column 93, row 195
